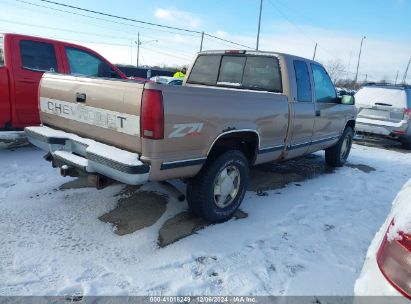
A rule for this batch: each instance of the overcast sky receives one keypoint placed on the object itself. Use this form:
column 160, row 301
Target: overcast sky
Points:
column 291, row 26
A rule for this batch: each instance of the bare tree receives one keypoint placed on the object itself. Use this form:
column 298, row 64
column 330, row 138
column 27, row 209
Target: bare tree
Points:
column 336, row 69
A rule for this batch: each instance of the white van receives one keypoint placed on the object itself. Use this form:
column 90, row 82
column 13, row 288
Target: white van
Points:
column 385, row 110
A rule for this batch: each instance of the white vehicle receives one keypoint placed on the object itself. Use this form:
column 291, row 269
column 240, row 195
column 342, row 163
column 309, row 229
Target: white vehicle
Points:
column 387, row 267
column 385, row 110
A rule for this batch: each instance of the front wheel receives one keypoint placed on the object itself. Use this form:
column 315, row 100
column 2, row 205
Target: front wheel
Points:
column 337, row 155
column 219, row 188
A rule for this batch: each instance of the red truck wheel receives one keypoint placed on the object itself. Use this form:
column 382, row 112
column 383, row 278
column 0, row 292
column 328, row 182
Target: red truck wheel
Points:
column 218, row 190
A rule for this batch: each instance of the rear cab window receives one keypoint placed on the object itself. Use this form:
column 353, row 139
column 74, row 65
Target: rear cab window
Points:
column 86, row 64
column 38, row 56
column 1, row 50
column 261, row 73
column 302, row 77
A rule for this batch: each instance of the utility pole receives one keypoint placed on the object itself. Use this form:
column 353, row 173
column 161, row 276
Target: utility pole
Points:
column 406, row 72
column 202, row 40
column 131, row 52
column 138, row 47
column 259, row 25
column 138, row 42
column 315, row 50
column 359, row 57
column 396, row 78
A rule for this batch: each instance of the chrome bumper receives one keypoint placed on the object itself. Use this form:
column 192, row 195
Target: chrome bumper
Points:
column 379, row 127
column 90, row 156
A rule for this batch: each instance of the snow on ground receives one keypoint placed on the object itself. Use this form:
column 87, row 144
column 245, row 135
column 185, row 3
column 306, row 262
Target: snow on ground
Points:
column 308, row 238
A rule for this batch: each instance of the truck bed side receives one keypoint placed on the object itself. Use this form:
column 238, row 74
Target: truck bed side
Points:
column 197, row 116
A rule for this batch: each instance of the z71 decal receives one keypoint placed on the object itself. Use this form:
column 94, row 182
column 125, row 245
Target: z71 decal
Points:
column 188, row 129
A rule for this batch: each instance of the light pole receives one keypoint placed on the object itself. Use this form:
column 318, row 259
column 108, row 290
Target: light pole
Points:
column 406, row 72
column 138, row 42
column 359, row 57
column 315, row 50
column 202, row 40
column 259, row 24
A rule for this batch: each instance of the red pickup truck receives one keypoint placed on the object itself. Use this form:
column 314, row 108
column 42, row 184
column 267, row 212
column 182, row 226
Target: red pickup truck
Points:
column 24, row 59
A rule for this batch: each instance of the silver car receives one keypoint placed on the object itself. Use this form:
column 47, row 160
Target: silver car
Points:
column 385, row 110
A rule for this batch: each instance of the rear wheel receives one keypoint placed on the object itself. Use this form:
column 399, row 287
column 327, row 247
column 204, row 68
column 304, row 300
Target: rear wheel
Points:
column 406, row 143
column 337, row 155
column 219, row 188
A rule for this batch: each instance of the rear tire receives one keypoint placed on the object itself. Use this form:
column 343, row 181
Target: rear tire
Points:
column 337, row 155
column 219, row 188
column 406, row 143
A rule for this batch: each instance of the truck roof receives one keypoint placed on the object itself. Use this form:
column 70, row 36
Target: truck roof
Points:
column 45, row 40
column 30, row 36
column 253, row 52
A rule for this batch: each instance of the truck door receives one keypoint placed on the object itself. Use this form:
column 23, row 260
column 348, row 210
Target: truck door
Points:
column 329, row 113
column 32, row 58
column 302, row 110
column 4, row 89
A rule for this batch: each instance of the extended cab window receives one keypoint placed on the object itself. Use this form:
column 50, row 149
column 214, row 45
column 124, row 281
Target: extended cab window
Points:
column 262, row 73
column 84, row 63
column 205, row 70
column 38, row 56
column 1, row 51
column 231, row 71
column 302, row 78
column 241, row 71
column 323, row 86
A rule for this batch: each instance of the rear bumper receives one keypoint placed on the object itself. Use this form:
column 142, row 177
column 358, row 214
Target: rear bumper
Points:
column 384, row 128
column 90, row 156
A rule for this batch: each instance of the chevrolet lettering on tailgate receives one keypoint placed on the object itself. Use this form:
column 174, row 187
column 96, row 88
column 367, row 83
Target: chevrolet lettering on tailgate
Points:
column 120, row 122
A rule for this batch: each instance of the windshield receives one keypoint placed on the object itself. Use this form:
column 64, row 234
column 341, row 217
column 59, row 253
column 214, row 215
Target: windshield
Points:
column 260, row 73
column 1, row 50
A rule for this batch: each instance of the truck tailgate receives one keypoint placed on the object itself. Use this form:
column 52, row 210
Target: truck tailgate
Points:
column 105, row 110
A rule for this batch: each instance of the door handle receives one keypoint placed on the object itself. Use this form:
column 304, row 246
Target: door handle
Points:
column 81, row 97
column 317, row 113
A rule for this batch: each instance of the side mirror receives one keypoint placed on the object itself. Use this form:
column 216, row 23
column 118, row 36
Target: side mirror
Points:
column 347, row 100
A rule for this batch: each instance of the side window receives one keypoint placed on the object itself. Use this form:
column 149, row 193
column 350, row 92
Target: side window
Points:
column 303, row 81
column 84, row 63
column 38, row 56
column 1, row 51
column 262, row 73
column 323, row 86
column 231, row 70
column 205, row 70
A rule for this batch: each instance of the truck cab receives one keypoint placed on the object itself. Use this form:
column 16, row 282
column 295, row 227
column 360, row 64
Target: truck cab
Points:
column 24, row 59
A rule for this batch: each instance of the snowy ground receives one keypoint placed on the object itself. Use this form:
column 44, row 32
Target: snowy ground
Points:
column 309, row 238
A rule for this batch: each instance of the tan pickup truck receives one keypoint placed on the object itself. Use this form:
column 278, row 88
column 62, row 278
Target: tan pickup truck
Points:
column 235, row 109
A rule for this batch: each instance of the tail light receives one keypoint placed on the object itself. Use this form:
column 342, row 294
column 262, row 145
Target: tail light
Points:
column 394, row 261
column 152, row 115
column 407, row 114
